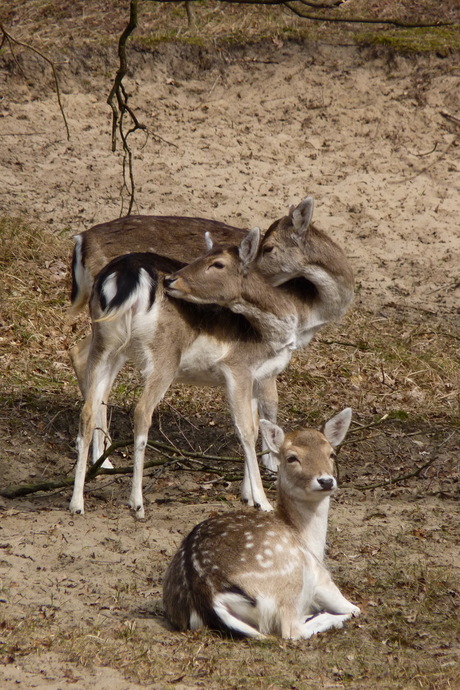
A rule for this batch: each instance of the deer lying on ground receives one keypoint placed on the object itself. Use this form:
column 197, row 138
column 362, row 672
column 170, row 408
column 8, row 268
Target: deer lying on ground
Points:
column 301, row 260
column 171, row 340
column 255, row 574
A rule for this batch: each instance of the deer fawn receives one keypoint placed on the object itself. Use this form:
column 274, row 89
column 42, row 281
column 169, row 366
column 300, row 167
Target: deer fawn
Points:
column 256, row 574
column 172, row 340
column 305, row 264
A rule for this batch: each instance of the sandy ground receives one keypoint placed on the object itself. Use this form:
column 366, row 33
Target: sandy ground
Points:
column 250, row 134
column 236, row 138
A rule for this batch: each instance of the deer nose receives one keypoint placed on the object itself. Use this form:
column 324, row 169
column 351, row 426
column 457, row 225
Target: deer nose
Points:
column 168, row 281
column 326, row 483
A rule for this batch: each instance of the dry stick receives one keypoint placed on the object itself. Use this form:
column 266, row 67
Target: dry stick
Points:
column 448, row 116
column 96, row 469
column 409, row 475
column 9, row 37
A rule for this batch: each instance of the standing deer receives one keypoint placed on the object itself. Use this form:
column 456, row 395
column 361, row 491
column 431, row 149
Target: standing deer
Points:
column 255, row 574
column 171, row 340
column 302, row 261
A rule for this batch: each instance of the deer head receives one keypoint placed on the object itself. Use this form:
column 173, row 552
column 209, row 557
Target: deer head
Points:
column 216, row 277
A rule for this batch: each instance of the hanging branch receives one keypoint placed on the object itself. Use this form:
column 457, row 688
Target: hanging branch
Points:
column 6, row 36
column 121, row 108
column 118, row 97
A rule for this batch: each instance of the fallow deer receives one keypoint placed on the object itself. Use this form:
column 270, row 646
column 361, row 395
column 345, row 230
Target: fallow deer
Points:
column 171, row 340
column 306, row 265
column 254, row 574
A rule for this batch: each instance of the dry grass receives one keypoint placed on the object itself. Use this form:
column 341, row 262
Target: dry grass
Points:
column 393, row 363
column 218, row 23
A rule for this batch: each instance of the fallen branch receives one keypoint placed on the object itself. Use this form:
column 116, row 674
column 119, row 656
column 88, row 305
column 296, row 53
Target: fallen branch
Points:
column 169, row 453
column 361, row 20
column 296, row 7
column 408, row 475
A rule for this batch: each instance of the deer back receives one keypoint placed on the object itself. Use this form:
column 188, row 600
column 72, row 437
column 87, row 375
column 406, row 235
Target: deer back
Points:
column 176, row 239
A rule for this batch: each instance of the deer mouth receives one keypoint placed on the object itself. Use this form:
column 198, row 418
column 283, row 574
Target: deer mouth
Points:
column 174, row 292
column 170, row 288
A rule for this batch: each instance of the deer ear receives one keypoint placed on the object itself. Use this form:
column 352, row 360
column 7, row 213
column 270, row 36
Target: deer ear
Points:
column 208, row 240
column 249, row 246
column 273, row 435
column 301, row 216
column 336, row 428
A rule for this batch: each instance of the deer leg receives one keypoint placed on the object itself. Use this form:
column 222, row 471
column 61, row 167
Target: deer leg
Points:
column 157, row 383
column 101, row 438
column 268, row 409
column 79, row 358
column 322, row 622
column 237, row 613
column 240, row 394
column 98, row 375
column 328, row 596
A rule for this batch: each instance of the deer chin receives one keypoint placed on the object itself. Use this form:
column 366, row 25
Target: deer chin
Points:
column 186, row 297
column 174, row 292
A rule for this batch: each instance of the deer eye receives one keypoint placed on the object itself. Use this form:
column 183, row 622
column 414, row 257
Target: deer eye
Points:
column 267, row 250
column 217, row 264
column 292, row 457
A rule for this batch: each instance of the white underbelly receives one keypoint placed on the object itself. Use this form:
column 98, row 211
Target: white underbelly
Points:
column 205, row 363
column 202, row 363
column 273, row 366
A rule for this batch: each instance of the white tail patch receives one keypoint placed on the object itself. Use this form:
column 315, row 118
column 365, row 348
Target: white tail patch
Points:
column 137, row 301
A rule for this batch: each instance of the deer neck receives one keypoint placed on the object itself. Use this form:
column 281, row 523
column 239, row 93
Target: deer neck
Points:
column 309, row 520
column 273, row 314
column 334, row 292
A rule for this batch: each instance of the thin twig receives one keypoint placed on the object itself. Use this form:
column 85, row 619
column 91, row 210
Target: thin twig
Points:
column 450, row 117
column 9, row 37
column 408, row 475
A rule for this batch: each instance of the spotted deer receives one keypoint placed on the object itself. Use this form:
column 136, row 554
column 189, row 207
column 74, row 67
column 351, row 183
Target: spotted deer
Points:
column 258, row 574
column 305, row 264
column 173, row 340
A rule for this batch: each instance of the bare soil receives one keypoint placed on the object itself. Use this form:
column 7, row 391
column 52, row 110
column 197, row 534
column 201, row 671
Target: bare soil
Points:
column 237, row 135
